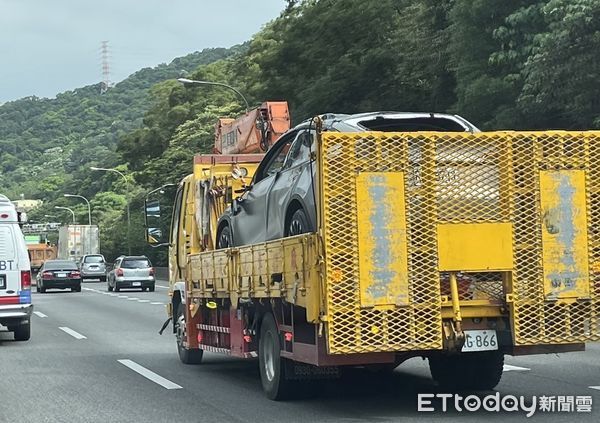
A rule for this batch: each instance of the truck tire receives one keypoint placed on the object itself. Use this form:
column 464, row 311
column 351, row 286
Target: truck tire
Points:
column 271, row 365
column 186, row 355
column 23, row 332
column 478, row 371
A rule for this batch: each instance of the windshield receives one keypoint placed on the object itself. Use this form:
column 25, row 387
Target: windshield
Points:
column 60, row 265
column 94, row 259
column 412, row 124
column 135, row 264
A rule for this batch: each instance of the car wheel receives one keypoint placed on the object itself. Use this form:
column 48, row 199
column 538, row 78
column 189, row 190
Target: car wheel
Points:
column 42, row 288
column 224, row 239
column 110, row 288
column 186, row 356
column 77, row 288
column 23, row 332
column 298, row 224
column 37, row 287
column 117, row 289
column 152, row 288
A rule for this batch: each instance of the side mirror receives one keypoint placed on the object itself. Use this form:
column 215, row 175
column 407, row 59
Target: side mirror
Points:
column 246, row 188
column 154, row 236
column 155, row 233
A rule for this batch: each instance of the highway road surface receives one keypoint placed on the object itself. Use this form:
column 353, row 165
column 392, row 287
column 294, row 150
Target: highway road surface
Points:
column 96, row 356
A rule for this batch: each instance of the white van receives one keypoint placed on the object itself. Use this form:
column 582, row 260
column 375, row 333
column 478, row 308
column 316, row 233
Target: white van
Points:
column 15, row 274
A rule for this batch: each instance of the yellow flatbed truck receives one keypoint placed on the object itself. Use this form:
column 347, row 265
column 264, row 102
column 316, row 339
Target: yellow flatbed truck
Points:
column 456, row 247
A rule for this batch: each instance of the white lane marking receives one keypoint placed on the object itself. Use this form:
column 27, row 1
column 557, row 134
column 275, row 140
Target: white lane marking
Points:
column 39, row 314
column 157, row 303
column 509, row 368
column 122, row 296
column 132, row 299
column 163, row 287
column 86, row 289
column 114, row 295
column 594, row 387
column 71, row 332
column 143, row 301
column 148, row 374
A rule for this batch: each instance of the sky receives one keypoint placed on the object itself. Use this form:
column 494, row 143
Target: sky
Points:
column 51, row 46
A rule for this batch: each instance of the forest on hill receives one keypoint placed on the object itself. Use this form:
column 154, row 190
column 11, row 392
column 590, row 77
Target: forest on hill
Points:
column 502, row 64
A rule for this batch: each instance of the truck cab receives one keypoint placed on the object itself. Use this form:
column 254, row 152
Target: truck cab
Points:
column 15, row 274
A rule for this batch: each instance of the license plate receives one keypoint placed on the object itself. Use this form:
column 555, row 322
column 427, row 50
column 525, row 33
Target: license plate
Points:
column 480, row 340
column 2, row 282
column 137, row 284
column 61, row 275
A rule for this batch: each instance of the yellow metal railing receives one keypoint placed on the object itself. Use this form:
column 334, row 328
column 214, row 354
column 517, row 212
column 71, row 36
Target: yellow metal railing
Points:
column 400, row 209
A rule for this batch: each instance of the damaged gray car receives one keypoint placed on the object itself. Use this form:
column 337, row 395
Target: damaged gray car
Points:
column 280, row 201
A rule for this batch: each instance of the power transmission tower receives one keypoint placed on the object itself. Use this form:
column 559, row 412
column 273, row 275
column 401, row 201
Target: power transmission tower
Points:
column 106, row 84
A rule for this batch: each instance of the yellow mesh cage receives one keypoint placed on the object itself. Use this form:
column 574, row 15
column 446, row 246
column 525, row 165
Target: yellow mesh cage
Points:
column 517, row 179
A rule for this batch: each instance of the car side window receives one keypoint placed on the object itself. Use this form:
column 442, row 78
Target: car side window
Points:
column 277, row 157
column 300, row 151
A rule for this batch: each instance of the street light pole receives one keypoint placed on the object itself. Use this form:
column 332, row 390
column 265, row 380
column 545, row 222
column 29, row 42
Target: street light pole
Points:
column 66, row 208
column 220, row 84
column 88, row 204
column 127, row 202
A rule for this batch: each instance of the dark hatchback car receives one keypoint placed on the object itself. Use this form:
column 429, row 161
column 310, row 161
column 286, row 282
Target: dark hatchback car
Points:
column 280, row 200
column 61, row 274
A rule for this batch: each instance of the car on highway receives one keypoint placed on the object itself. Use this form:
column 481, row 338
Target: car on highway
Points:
column 93, row 266
column 15, row 274
column 280, row 200
column 131, row 272
column 58, row 274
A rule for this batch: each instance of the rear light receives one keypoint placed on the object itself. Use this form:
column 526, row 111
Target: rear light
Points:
column 151, row 270
column 4, row 215
column 47, row 275
column 25, row 280
column 74, row 275
column 119, row 272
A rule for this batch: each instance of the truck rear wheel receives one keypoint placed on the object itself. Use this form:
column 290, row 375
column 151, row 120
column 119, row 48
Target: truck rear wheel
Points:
column 478, row 371
column 186, row 355
column 271, row 365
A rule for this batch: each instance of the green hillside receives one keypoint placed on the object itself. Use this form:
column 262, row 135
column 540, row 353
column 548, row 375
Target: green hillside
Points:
column 53, row 138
